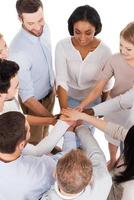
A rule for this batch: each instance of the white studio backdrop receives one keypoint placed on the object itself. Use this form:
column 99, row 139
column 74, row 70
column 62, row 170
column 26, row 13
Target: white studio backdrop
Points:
column 115, row 14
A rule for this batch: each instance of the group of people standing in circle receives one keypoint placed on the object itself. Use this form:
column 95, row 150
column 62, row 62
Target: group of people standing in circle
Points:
column 89, row 80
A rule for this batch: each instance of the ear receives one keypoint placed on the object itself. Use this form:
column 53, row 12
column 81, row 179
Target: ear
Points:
column 3, row 97
column 21, row 145
column 20, row 18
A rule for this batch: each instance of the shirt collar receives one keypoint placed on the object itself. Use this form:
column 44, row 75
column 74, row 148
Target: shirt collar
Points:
column 65, row 197
column 31, row 37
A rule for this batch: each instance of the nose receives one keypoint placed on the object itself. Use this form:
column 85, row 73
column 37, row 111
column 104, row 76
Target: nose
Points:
column 82, row 38
column 123, row 51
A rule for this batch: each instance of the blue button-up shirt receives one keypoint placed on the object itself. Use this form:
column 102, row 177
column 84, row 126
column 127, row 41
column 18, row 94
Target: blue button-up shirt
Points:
column 33, row 55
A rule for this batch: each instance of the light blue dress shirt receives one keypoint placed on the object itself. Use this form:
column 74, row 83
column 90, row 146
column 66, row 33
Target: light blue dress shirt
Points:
column 33, row 54
column 30, row 176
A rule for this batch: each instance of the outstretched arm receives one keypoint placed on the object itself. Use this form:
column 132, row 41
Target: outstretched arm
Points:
column 48, row 143
column 96, row 92
column 114, row 130
column 122, row 102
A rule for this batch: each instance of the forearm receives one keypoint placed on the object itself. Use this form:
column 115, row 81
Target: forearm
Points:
column 35, row 120
column 92, row 96
column 90, row 146
column 62, row 96
column 114, row 130
column 35, row 106
column 98, row 123
column 48, row 143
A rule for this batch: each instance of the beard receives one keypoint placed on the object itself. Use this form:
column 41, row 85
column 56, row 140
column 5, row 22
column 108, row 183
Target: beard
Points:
column 37, row 34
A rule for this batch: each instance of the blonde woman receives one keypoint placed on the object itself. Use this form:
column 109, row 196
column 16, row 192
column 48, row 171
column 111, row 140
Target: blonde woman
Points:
column 121, row 67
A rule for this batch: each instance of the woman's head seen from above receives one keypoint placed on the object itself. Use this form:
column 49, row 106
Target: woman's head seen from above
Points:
column 84, row 23
column 127, row 42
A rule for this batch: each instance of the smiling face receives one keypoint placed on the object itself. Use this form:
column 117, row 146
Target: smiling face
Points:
column 83, row 32
column 33, row 22
column 126, row 49
column 3, row 49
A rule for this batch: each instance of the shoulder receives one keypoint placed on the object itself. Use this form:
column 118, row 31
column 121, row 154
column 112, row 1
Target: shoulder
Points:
column 64, row 43
column 102, row 52
column 115, row 57
column 104, row 46
column 128, row 190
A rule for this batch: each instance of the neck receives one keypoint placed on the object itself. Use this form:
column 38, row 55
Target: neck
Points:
column 130, row 62
column 5, row 157
column 63, row 194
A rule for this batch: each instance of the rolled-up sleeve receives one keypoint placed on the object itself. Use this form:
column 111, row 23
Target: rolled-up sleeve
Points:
column 61, row 67
column 116, row 131
column 26, row 89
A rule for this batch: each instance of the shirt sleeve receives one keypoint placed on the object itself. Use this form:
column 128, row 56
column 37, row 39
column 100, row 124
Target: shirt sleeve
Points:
column 91, row 147
column 122, row 102
column 128, row 190
column 101, row 180
column 116, row 131
column 61, row 67
column 26, row 89
column 107, row 71
column 48, row 143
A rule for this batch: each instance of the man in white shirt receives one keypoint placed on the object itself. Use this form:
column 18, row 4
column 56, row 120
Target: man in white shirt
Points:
column 28, row 176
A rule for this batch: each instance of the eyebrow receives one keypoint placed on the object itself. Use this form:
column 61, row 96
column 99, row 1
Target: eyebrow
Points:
column 89, row 30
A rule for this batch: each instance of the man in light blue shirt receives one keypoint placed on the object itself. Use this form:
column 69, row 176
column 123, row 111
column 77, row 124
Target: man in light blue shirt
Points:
column 28, row 176
column 31, row 50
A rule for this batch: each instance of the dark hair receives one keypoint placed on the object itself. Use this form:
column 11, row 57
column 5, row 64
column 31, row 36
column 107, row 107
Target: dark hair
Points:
column 12, row 131
column 128, row 155
column 85, row 13
column 8, row 70
column 74, row 171
column 28, row 6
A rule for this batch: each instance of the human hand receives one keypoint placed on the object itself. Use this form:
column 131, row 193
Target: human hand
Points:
column 71, row 114
column 68, row 121
column 78, row 108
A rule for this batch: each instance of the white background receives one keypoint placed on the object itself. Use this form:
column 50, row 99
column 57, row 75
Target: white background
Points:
column 115, row 15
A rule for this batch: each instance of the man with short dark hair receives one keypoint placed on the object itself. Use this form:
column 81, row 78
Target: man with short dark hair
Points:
column 28, row 176
column 31, row 49
column 8, row 102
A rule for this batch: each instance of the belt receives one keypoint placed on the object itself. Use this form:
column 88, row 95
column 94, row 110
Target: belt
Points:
column 47, row 96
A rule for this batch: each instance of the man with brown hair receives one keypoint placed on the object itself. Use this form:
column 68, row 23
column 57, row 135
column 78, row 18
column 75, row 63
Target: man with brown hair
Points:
column 82, row 176
column 31, row 49
column 28, row 176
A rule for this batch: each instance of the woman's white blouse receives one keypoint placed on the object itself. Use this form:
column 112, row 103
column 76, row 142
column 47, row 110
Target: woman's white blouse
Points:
column 75, row 75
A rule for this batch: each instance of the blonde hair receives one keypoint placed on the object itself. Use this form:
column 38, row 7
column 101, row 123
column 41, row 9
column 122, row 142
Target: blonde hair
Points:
column 74, row 171
column 128, row 33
